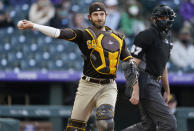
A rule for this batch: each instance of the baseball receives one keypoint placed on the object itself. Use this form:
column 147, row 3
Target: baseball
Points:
column 20, row 24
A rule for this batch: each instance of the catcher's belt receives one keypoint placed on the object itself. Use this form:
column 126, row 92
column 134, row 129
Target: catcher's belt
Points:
column 98, row 81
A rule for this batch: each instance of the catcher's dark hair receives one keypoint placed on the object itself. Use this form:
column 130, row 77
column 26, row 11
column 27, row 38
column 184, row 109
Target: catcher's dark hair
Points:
column 97, row 6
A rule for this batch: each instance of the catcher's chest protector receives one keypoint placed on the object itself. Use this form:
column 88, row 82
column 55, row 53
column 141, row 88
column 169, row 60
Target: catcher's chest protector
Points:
column 105, row 54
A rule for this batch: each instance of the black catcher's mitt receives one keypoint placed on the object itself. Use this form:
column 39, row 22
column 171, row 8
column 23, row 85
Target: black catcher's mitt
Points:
column 130, row 72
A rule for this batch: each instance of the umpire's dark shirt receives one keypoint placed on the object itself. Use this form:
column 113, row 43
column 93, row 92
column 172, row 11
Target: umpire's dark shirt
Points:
column 152, row 48
column 80, row 37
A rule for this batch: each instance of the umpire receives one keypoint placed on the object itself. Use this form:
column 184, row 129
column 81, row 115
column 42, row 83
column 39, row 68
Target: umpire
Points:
column 102, row 49
column 151, row 51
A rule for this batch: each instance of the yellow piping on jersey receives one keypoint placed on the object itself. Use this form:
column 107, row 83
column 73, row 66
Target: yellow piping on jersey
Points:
column 91, row 35
column 127, row 58
column 73, row 37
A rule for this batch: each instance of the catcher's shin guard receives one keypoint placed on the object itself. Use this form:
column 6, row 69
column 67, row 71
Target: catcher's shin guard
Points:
column 76, row 125
column 104, row 118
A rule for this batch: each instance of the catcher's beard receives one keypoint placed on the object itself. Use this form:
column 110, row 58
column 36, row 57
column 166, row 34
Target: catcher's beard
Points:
column 98, row 26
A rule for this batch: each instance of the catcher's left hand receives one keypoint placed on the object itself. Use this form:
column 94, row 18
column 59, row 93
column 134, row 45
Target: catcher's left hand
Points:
column 135, row 95
column 130, row 72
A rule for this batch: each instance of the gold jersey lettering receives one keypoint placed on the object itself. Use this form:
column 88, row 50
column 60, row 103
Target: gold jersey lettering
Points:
column 90, row 44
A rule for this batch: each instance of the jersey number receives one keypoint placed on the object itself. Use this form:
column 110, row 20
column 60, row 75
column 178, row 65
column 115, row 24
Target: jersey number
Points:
column 136, row 49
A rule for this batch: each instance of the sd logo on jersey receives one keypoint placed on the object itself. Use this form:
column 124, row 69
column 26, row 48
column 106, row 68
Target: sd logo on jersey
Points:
column 90, row 44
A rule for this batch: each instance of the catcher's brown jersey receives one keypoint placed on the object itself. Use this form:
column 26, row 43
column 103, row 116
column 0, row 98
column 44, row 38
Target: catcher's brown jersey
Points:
column 102, row 50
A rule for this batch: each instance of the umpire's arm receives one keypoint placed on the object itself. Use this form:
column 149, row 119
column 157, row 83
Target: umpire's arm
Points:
column 165, row 84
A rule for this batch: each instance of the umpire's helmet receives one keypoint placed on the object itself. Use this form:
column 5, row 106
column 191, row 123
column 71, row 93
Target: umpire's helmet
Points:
column 161, row 11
